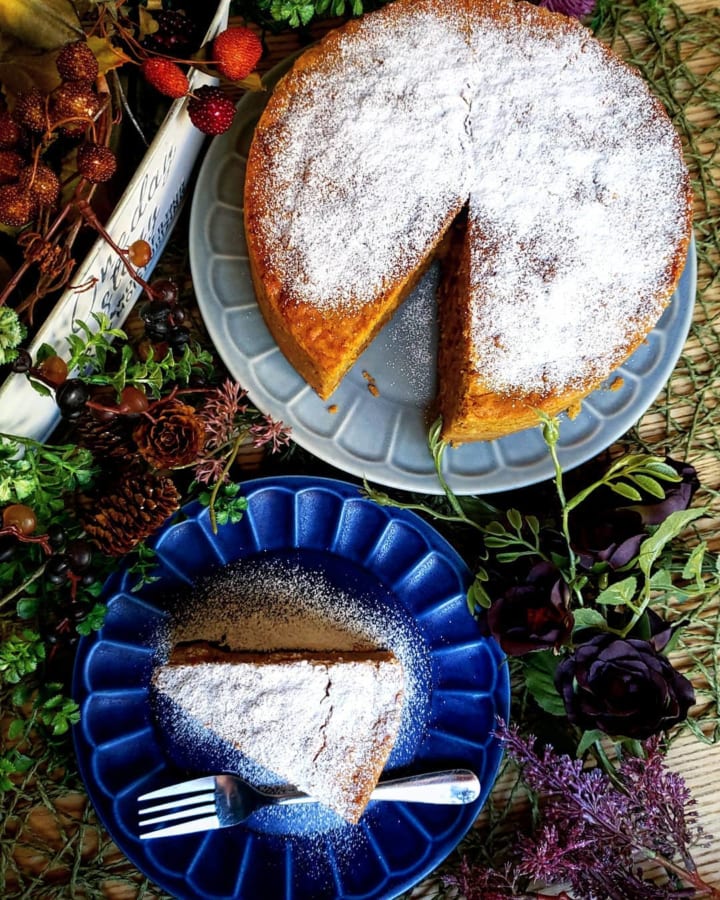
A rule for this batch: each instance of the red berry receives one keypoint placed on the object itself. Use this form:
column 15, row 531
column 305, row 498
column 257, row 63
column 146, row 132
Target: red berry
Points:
column 76, row 62
column 236, row 52
column 140, row 253
column 54, row 369
column 11, row 164
column 210, row 110
column 96, row 162
column 30, row 111
column 17, row 207
column 133, row 400
column 10, row 131
column 21, row 517
column 41, row 182
column 166, row 77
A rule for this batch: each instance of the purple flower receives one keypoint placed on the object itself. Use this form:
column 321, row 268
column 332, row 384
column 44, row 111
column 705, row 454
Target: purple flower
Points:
column 622, row 686
column 534, row 615
column 576, row 8
column 678, row 495
column 603, row 532
column 611, row 536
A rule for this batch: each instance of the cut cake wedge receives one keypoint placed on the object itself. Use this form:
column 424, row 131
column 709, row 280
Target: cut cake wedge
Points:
column 324, row 723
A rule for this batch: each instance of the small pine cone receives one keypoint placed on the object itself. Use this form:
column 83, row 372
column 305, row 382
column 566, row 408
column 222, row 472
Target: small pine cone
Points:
column 130, row 512
column 174, row 436
column 107, row 439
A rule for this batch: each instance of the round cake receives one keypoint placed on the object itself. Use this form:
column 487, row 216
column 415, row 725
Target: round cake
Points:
column 507, row 142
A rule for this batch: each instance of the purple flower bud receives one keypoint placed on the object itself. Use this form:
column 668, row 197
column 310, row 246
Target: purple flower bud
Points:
column 623, row 687
column 532, row 616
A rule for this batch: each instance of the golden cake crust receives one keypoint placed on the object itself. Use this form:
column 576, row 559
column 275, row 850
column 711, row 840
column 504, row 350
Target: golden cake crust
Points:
column 486, row 389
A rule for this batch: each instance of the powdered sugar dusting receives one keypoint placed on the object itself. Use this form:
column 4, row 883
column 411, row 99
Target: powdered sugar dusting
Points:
column 273, row 603
column 574, row 178
column 336, row 718
column 337, row 150
column 575, row 215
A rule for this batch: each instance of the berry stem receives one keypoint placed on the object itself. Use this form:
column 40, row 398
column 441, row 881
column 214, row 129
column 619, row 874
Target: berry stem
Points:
column 41, row 539
column 25, row 265
column 239, row 441
column 88, row 214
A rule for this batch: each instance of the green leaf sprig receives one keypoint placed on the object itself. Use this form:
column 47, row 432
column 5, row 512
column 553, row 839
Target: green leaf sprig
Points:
column 99, row 360
column 660, row 574
column 29, row 469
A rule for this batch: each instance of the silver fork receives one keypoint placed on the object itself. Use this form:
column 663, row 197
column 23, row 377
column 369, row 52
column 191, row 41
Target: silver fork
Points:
column 216, row 801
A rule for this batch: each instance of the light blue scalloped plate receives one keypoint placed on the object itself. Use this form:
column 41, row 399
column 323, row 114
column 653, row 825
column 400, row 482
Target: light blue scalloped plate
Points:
column 408, row 574
column 384, row 438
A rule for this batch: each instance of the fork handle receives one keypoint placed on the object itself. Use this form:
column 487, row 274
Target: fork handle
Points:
column 452, row 787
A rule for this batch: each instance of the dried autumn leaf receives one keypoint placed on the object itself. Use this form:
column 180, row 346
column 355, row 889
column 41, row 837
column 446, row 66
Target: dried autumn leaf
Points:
column 45, row 24
column 107, row 54
column 253, row 82
column 23, row 68
column 148, row 24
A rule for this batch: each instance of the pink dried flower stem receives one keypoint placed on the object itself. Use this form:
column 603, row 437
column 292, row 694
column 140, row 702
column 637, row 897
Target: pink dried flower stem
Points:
column 219, row 413
column 270, row 431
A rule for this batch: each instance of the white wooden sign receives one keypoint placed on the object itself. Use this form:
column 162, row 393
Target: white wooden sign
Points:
column 148, row 210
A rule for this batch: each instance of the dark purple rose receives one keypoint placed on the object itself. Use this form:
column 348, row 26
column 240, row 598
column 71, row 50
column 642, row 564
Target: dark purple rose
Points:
column 603, row 532
column 611, row 536
column 534, row 615
column 678, row 495
column 622, row 686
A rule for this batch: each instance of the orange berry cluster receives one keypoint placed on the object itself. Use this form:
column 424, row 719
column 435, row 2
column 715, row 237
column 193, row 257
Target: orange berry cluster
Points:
column 29, row 182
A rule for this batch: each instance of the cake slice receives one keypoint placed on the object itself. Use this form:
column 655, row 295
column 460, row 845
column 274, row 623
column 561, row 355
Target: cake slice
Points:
column 324, row 723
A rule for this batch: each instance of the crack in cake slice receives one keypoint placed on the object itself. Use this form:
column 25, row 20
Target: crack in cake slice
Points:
column 323, row 722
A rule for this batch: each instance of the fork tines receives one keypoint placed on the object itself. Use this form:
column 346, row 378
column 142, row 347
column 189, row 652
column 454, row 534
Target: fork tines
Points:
column 192, row 801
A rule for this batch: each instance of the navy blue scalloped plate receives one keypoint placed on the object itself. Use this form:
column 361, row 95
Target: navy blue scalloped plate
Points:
column 406, row 568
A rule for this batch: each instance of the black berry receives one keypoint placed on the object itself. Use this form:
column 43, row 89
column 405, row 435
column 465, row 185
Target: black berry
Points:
column 79, row 555
column 56, row 537
column 22, row 362
column 57, row 570
column 71, row 397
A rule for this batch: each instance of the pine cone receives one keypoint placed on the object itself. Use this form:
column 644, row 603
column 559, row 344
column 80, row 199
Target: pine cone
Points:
column 108, row 440
column 131, row 512
column 173, row 437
